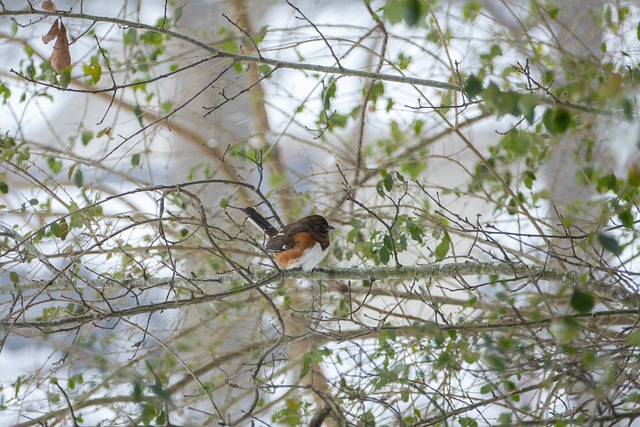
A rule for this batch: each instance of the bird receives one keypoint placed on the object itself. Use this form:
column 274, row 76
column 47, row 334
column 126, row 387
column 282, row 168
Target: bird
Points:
column 303, row 243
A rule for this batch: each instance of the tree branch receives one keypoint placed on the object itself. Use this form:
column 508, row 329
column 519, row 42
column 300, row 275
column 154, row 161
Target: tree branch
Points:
column 298, row 65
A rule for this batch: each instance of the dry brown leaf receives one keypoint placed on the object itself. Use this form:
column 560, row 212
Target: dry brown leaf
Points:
column 52, row 34
column 49, row 6
column 61, row 57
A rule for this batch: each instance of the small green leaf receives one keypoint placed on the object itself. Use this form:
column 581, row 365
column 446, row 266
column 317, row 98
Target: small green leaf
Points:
column 78, row 179
column 329, row 94
column 627, row 108
column 384, row 255
column 388, row 182
column 557, row 121
column 135, row 159
column 93, row 70
column 138, row 112
column 86, row 137
column 473, row 86
column 412, row 12
column 13, row 276
column 394, row 11
column 566, row 330
column 262, row 32
column 167, row 107
column 609, row 243
column 177, row 14
column 64, row 228
column 471, row 10
column 306, row 366
column 526, row 105
column 55, row 230
column 529, row 177
column 633, row 338
column 626, row 218
column 147, row 414
column 582, row 302
column 387, row 242
column 589, row 358
column 487, row 388
column 65, row 77
column 264, row 69
column 562, row 120
column 443, row 247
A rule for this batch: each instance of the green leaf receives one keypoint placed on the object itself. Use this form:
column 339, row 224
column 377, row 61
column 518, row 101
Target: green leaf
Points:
column 135, row 159
column 264, row 69
column 566, row 330
column 13, row 276
column 65, row 77
column 516, row 142
column 306, row 366
column 4, row 188
column 609, row 243
column 262, row 32
column 86, row 137
column 500, row 102
column 557, row 121
column 394, row 11
column 471, row 10
column 386, row 241
column 377, row 91
column 384, row 255
column 487, row 388
column 177, row 14
column 562, row 120
column 412, row 12
column 338, row 120
column 54, row 164
column 55, row 230
column 589, row 358
column 329, row 94
column 633, row 338
column 388, row 182
column 148, row 414
column 78, row 179
column 93, row 70
column 582, row 302
column 167, row 107
column 64, row 228
column 138, row 112
column 526, row 105
column 626, row 218
column 529, row 177
column 627, row 108
column 443, row 247
column 473, row 86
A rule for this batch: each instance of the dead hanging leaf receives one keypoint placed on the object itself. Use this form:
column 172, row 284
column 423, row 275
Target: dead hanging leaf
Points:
column 61, row 57
column 53, row 32
column 48, row 5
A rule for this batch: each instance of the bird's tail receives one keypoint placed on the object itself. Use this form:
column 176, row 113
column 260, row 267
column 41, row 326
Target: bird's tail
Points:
column 260, row 221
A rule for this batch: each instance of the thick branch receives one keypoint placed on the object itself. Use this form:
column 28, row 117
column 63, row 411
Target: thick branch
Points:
column 451, row 270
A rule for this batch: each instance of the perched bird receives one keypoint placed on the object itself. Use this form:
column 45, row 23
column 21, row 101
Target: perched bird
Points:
column 303, row 243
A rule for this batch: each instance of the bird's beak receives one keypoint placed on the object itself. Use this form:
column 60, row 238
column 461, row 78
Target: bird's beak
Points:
column 329, row 228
